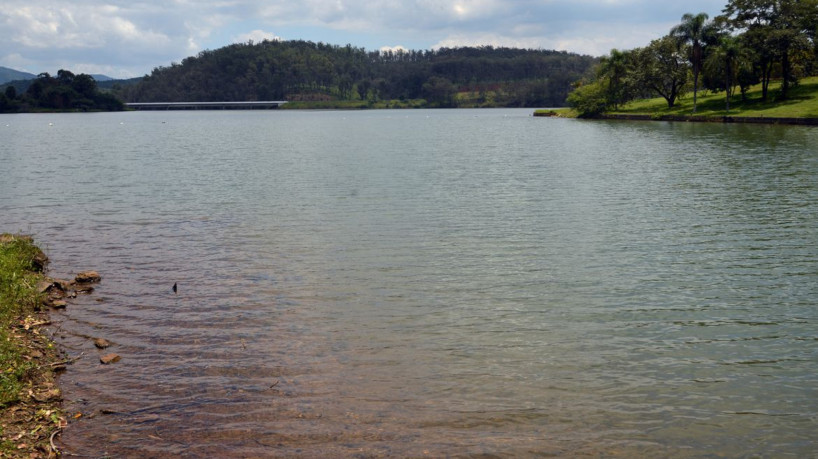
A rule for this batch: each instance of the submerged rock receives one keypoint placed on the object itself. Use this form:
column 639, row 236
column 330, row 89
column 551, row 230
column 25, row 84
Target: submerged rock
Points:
column 101, row 343
column 63, row 284
column 87, row 277
column 109, row 358
column 49, row 286
column 84, row 288
column 55, row 290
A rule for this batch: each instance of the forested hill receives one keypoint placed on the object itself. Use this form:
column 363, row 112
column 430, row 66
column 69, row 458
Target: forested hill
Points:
column 303, row 70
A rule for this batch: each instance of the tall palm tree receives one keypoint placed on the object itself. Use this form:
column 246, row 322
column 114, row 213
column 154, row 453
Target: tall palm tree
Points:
column 726, row 59
column 698, row 32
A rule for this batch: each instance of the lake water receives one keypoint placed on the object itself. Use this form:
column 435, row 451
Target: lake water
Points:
column 409, row 283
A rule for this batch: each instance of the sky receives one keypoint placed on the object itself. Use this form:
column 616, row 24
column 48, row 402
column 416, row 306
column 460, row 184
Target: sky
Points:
column 129, row 38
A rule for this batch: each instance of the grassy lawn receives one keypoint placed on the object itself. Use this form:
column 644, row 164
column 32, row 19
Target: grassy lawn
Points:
column 18, row 296
column 801, row 103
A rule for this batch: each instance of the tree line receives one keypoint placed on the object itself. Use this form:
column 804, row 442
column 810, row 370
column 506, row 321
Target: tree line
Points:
column 752, row 42
column 303, row 70
column 65, row 91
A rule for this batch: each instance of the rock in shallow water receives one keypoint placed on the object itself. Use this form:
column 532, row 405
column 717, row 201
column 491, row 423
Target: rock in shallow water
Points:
column 47, row 285
column 109, row 358
column 87, row 277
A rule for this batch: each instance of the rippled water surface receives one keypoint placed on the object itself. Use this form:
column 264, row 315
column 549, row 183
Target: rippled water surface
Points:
column 417, row 283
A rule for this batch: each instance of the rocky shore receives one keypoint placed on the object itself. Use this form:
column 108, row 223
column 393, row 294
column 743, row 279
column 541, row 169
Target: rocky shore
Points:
column 31, row 416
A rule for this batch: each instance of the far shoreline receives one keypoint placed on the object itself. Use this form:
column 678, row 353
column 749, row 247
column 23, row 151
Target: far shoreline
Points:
column 799, row 108
column 725, row 119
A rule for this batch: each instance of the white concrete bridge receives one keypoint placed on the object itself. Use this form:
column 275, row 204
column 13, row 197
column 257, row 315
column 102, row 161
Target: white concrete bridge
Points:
column 254, row 105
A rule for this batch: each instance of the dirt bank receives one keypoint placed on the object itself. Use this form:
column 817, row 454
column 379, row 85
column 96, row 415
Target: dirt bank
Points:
column 31, row 416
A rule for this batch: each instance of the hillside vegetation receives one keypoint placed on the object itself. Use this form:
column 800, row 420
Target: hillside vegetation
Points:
column 802, row 102
column 317, row 74
column 764, row 46
column 65, row 92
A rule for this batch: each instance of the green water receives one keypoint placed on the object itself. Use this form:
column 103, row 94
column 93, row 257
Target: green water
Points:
column 469, row 282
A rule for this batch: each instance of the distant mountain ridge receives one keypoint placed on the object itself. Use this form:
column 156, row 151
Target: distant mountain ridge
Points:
column 7, row 74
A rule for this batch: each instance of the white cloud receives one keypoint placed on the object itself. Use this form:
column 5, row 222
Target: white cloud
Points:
column 135, row 36
column 75, row 27
column 18, row 62
column 496, row 40
column 84, row 36
column 597, row 40
column 257, row 36
column 394, row 49
column 465, row 10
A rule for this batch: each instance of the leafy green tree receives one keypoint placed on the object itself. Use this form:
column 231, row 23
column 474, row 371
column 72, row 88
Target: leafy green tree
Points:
column 107, row 101
column 590, row 99
column 439, row 91
column 363, row 88
column 36, row 88
column 750, row 69
column 726, row 59
column 777, row 27
column 616, row 70
column 345, row 86
column 65, row 77
column 765, row 57
column 662, row 67
column 10, row 92
column 67, row 91
column 697, row 32
column 84, row 84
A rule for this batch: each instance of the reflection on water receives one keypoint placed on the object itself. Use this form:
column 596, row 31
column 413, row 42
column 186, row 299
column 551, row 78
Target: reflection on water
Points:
column 427, row 282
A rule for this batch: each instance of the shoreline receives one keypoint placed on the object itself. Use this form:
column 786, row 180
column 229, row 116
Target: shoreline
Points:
column 714, row 119
column 726, row 119
column 31, row 402
column 31, row 415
